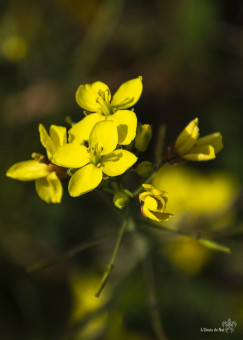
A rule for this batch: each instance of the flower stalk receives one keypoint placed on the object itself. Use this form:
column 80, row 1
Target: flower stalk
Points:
column 110, row 266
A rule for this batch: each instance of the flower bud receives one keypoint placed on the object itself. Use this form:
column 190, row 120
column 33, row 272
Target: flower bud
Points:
column 144, row 168
column 120, row 199
column 142, row 139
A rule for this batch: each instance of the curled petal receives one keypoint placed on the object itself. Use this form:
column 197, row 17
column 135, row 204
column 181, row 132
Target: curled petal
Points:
column 152, row 189
column 117, row 162
column 84, row 180
column 155, row 216
column 58, row 135
column 49, row 188
column 143, row 195
column 28, row 170
column 126, row 122
column 150, row 203
column 187, row 138
column 128, row 94
column 46, row 141
column 86, row 96
column 71, row 156
column 214, row 139
column 80, row 132
column 200, row 153
column 104, row 136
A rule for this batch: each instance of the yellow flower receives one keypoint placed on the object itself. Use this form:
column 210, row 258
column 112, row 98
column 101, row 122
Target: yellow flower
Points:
column 189, row 146
column 96, row 98
column 100, row 157
column 45, row 174
column 154, row 203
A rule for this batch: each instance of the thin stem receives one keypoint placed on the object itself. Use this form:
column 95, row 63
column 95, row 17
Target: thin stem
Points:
column 152, row 299
column 149, row 179
column 130, row 194
column 196, row 237
column 110, row 266
column 159, row 149
column 51, row 262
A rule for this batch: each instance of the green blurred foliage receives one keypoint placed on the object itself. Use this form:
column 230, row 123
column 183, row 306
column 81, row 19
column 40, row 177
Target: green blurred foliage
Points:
column 190, row 56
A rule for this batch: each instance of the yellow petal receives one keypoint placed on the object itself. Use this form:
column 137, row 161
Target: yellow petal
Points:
column 126, row 122
column 214, row 139
column 152, row 189
column 128, row 94
column 28, row 170
column 80, row 131
column 85, row 180
column 86, row 96
column 46, row 141
column 162, row 216
column 200, row 153
column 155, row 216
column 104, row 136
column 49, row 188
column 147, row 213
column 143, row 195
column 187, row 138
column 58, row 135
column 71, row 156
column 117, row 162
column 151, row 203
column 147, row 187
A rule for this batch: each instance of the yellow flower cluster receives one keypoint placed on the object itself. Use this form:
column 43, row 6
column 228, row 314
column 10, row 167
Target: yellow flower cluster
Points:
column 94, row 148
column 104, row 144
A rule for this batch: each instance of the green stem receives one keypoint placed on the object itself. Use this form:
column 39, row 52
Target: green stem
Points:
column 130, row 194
column 51, row 262
column 152, row 299
column 205, row 242
column 110, row 266
column 159, row 149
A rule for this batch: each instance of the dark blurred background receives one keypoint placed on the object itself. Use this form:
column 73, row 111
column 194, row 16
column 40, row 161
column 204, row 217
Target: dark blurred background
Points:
column 190, row 54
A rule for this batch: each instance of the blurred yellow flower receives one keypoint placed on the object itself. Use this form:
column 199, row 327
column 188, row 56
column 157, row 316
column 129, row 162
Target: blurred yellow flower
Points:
column 194, row 193
column 85, row 305
column 187, row 254
column 46, row 175
column 96, row 99
column 189, row 146
column 100, row 157
column 154, row 203
column 14, row 48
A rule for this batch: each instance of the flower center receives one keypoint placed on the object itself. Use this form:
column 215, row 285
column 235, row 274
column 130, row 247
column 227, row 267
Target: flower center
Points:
column 104, row 101
column 95, row 155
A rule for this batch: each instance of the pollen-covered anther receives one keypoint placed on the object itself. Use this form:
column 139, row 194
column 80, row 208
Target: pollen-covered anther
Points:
column 104, row 102
column 39, row 158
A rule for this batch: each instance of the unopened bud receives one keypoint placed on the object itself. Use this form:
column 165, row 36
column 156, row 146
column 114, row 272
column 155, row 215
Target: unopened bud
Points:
column 144, row 168
column 120, row 199
column 142, row 139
